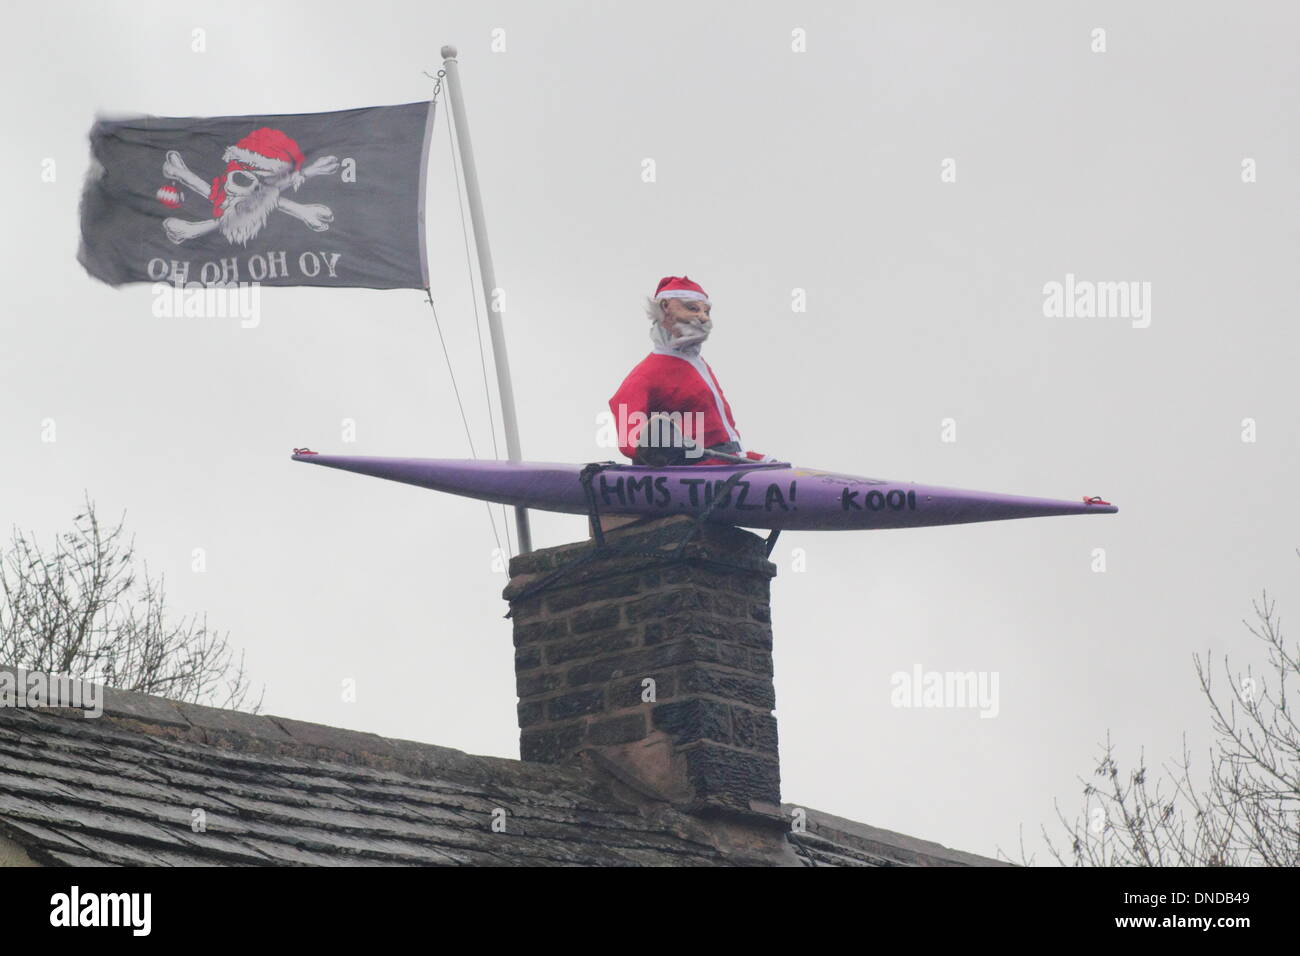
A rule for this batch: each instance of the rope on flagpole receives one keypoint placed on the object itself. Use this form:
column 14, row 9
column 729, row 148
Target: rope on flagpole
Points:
column 464, row 418
column 478, row 322
column 487, row 281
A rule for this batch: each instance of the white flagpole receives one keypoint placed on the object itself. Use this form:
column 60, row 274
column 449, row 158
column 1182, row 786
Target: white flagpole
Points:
column 488, row 275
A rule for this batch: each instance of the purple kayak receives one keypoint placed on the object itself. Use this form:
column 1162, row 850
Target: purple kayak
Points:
column 778, row 496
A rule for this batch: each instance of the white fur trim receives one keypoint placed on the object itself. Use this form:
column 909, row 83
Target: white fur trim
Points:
column 256, row 160
column 702, row 370
column 683, row 294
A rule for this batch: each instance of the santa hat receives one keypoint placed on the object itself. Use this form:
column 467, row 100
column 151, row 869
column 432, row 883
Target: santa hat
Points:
column 680, row 287
column 265, row 150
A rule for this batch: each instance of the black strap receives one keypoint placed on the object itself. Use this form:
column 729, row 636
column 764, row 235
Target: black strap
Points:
column 588, row 473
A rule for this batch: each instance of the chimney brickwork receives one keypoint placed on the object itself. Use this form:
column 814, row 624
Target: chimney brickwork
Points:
column 662, row 667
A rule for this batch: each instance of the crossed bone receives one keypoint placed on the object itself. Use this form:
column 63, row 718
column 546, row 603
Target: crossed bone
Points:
column 314, row 216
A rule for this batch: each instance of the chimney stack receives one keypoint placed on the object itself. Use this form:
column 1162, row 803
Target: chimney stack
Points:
column 656, row 664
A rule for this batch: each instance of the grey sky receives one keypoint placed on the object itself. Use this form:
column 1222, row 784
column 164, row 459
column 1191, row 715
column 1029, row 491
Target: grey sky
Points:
column 776, row 170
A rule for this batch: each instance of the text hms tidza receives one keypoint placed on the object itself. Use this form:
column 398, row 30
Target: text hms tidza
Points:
column 73, row 909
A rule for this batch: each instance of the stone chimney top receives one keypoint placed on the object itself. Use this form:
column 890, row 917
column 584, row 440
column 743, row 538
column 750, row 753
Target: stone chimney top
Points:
column 653, row 662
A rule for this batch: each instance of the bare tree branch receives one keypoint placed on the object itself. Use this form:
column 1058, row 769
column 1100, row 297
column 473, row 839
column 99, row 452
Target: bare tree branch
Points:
column 1245, row 808
column 83, row 609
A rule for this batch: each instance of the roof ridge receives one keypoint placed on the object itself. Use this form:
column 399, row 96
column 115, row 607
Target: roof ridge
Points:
column 242, row 732
column 880, row 843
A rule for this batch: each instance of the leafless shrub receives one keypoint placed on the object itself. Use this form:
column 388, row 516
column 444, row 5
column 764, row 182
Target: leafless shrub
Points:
column 1245, row 809
column 83, row 608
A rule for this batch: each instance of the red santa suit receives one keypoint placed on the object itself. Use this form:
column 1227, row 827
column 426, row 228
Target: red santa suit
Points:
column 676, row 380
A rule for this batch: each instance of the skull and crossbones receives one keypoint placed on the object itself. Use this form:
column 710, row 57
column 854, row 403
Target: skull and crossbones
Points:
column 260, row 168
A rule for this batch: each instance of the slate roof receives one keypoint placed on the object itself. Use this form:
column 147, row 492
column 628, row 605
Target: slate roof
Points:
column 122, row 789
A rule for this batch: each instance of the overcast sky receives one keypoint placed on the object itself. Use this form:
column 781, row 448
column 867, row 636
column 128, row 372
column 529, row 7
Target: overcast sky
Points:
column 776, row 170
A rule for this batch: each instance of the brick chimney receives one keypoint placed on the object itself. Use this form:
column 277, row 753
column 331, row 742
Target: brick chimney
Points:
column 658, row 669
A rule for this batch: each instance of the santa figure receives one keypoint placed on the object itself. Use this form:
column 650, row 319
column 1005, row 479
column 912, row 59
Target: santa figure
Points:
column 670, row 409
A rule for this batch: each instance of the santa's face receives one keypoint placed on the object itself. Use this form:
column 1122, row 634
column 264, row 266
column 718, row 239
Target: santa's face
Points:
column 685, row 318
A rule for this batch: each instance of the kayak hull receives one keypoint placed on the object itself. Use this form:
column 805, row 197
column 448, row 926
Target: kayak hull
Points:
column 776, row 496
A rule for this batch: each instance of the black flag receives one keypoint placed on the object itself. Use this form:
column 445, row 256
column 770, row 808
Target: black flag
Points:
column 319, row 199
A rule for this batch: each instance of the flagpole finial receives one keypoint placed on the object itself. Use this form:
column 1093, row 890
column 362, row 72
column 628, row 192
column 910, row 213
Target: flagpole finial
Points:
column 449, row 52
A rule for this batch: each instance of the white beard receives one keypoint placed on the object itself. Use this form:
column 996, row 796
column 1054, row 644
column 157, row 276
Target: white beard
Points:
column 687, row 339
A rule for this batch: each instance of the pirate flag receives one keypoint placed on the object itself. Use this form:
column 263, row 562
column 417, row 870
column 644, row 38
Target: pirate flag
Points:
column 320, row 199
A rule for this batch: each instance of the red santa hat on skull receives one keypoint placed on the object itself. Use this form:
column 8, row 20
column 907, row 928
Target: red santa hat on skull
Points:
column 265, row 150
column 680, row 287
